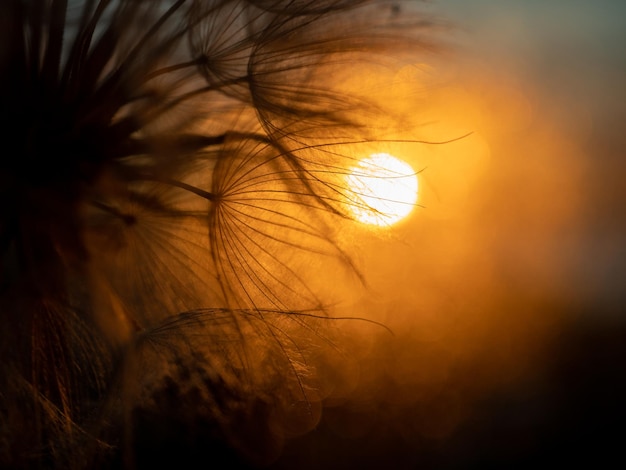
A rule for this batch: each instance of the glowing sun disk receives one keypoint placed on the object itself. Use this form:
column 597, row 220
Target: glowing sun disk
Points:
column 383, row 189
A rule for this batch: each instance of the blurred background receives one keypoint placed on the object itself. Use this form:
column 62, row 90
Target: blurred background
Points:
column 505, row 289
column 489, row 330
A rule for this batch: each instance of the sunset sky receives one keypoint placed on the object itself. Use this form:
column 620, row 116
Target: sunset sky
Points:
column 505, row 288
column 313, row 234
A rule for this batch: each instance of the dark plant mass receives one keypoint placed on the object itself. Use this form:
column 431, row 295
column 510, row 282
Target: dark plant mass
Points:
column 172, row 189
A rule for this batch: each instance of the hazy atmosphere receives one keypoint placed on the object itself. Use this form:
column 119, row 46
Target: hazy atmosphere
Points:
column 196, row 268
column 506, row 289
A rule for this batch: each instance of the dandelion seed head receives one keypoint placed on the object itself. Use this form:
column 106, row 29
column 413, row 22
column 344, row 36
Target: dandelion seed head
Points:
column 170, row 196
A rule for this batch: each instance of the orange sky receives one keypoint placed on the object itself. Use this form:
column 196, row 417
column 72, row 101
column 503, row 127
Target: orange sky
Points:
column 516, row 251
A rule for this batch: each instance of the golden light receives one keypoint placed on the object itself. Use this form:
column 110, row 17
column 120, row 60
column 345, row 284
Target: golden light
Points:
column 383, row 189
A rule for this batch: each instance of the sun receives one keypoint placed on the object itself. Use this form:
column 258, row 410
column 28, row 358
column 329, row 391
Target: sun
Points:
column 382, row 189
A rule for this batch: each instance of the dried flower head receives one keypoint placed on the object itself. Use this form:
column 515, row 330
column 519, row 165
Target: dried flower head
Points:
column 169, row 183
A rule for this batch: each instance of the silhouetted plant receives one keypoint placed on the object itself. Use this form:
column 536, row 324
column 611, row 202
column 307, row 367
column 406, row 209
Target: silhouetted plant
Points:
column 170, row 169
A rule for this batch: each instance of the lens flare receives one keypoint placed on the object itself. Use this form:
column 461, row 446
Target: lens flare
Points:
column 382, row 190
